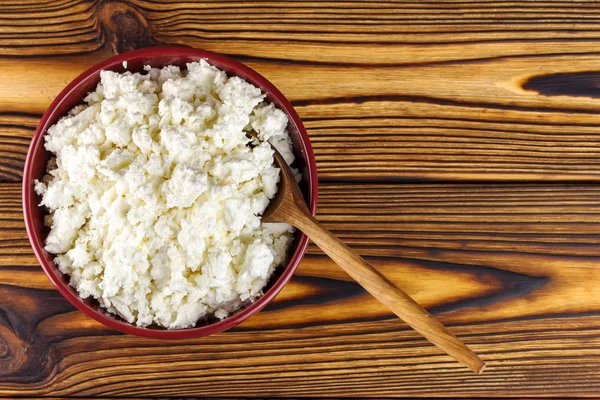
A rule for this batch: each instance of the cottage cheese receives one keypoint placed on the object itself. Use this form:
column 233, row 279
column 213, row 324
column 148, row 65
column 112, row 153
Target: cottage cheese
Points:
column 155, row 195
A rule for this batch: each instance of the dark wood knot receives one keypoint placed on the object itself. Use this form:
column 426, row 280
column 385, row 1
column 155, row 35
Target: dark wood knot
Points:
column 575, row 84
column 13, row 351
column 4, row 350
column 124, row 27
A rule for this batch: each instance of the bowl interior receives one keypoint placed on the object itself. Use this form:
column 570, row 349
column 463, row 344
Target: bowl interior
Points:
column 73, row 94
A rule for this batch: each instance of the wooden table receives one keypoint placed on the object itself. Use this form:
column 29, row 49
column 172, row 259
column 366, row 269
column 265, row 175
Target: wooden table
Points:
column 458, row 149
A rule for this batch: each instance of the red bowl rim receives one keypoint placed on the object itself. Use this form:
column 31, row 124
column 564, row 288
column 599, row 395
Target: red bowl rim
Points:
column 244, row 313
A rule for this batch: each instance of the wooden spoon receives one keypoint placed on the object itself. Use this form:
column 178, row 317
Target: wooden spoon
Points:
column 289, row 206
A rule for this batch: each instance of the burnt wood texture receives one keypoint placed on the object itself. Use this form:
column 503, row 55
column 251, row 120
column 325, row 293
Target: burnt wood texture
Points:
column 458, row 149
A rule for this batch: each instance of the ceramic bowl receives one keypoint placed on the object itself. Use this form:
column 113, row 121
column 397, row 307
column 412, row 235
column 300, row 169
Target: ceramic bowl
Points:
column 72, row 95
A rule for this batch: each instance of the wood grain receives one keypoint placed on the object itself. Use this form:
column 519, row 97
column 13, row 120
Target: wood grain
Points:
column 458, row 152
column 511, row 269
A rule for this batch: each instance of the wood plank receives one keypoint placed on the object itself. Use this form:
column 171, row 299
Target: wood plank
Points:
column 262, row 29
column 512, row 269
column 520, row 89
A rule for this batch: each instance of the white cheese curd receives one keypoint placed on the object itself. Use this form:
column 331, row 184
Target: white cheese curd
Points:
column 155, row 195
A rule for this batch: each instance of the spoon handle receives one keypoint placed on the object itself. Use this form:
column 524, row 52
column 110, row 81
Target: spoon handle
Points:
column 386, row 292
